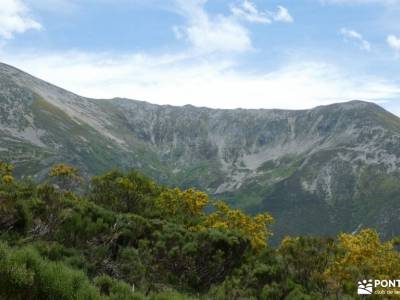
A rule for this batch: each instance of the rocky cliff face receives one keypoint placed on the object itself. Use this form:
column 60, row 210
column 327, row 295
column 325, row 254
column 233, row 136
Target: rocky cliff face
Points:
column 317, row 171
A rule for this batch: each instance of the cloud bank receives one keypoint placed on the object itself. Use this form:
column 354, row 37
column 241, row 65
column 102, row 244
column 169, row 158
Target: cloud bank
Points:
column 180, row 79
column 15, row 18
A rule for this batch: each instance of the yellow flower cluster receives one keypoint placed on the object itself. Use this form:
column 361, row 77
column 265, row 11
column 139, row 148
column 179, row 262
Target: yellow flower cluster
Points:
column 364, row 254
column 191, row 203
column 6, row 173
column 126, row 183
column 254, row 228
column 8, row 179
column 62, row 170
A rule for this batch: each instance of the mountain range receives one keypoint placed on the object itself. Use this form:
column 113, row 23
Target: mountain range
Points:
column 318, row 172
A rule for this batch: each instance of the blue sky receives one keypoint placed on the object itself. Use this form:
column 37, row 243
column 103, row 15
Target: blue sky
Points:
column 216, row 53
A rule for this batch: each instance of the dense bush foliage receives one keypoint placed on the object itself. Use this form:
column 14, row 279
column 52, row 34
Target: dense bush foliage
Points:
column 121, row 236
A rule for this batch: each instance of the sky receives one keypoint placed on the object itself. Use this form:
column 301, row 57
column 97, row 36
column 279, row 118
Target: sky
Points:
column 290, row 54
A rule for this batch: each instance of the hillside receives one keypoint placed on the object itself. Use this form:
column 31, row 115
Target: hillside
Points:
column 127, row 238
column 321, row 171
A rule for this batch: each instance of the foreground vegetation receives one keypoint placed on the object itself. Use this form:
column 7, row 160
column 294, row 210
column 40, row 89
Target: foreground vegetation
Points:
column 121, row 236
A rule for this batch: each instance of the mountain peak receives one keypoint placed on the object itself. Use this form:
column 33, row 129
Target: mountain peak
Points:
column 350, row 105
column 315, row 165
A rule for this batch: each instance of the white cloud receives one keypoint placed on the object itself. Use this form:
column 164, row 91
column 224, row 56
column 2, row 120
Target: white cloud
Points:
column 357, row 37
column 15, row 18
column 393, row 42
column 210, row 33
column 283, row 15
column 248, row 11
column 220, row 33
column 180, row 79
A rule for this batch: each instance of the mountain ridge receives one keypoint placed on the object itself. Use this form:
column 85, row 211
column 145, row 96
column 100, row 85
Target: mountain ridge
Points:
column 258, row 159
column 6, row 68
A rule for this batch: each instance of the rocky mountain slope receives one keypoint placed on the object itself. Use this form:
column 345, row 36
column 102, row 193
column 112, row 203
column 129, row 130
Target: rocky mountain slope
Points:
column 320, row 171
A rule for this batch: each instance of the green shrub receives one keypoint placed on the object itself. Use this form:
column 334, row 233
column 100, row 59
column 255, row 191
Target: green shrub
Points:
column 116, row 290
column 26, row 275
